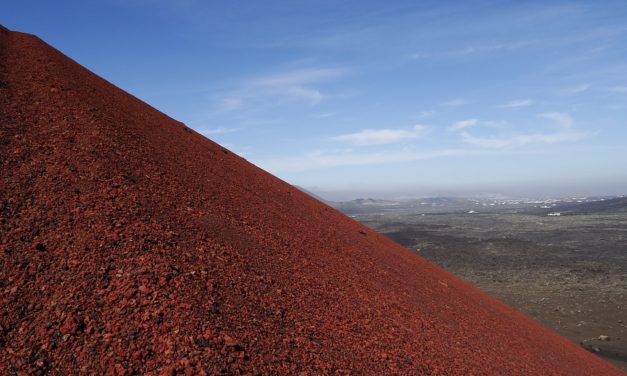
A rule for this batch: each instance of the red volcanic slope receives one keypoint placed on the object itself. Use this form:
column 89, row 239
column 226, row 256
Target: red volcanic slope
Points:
column 131, row 244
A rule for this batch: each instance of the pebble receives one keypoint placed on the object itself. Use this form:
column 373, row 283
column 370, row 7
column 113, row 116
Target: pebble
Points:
column 229, row 341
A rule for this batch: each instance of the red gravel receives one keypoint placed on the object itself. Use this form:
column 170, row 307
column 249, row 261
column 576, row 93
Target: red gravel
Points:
column 130, row 244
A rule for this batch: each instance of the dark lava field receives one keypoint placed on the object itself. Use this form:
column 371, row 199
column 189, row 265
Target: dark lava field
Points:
column 569, row 272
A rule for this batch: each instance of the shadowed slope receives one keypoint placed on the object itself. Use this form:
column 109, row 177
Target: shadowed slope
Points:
column 131, row 244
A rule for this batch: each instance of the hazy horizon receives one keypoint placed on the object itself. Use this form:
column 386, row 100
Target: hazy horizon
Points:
column 365, row 97
column 509, row 192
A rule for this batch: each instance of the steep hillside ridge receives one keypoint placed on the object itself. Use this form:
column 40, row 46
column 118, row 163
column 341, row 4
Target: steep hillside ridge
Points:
column 131, row 244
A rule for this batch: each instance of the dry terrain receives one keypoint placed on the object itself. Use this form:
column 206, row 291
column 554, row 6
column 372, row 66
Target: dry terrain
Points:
column 131, row 244
column 569, row 272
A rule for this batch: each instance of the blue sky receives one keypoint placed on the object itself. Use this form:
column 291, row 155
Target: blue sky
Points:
column 374, row 98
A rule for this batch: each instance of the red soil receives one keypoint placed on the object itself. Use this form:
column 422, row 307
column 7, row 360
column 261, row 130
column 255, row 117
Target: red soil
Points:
column 131, row 244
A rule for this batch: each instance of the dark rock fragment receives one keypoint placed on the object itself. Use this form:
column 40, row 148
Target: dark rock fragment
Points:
column 201, row 342
column 214, row 309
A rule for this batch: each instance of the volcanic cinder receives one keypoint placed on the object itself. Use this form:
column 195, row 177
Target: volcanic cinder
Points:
column 130, row 244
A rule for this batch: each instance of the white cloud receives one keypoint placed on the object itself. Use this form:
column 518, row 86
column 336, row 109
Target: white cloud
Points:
column 298, row 77
column 575, row 90
column 294, row 85
column 471, row 123
column 490, row 143
column 520, row 140
column 561, row 118
column 478, row 49
column 464, row 124
column 517, row 103
column 564, row 132
column 381, row 136
column 231, row 103
column 305, row 94
column 221, row 130
column 455, row 102
column 491, row 48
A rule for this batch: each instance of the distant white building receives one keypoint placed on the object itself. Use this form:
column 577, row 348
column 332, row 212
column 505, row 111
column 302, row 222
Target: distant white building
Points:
column 556, row 214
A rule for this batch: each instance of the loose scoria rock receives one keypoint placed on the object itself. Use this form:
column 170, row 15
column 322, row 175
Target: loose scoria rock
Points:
column 146, row 228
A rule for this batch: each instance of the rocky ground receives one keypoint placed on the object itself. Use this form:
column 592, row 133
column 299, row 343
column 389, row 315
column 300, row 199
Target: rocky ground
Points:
column 129, row 244
column 567, row 272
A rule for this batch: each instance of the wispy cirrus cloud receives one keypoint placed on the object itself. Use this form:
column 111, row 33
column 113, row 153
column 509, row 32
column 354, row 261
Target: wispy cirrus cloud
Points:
column 381, row 136
column 520, row 140
column 464, row 124
column 455, row 102
column 500, row 144
column 564, row 132
column 231, row 102
column 220, row 130
column 470, row 50
column 472, row 123
column 574, row 90
column 560, row 118
column 297, row 77
column 298, row 85
column 517, row 103
column 489, row 48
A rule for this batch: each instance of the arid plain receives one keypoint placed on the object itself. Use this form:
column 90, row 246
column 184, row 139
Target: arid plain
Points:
column 567, row 271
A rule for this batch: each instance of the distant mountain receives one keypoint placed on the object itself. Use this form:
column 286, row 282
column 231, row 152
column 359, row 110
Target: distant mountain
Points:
column 563, row 206
column 611, row 205
column 366, row 206
column 427, row 204
column 452, row 202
